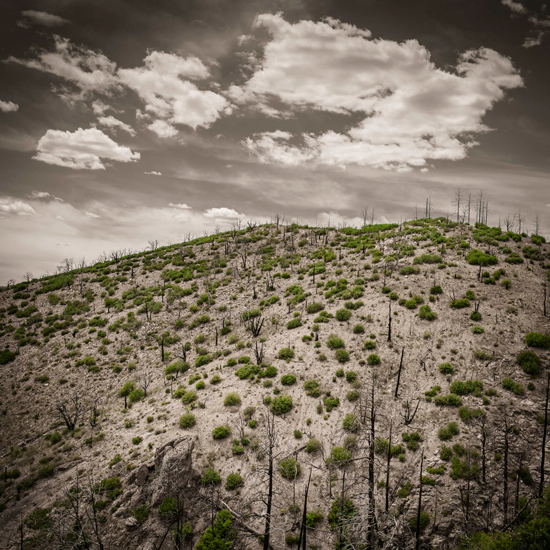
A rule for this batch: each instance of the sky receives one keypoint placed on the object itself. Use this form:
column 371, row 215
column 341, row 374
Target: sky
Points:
column 126, row 121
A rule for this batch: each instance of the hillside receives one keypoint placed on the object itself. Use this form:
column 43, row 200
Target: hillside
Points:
column 144, row 394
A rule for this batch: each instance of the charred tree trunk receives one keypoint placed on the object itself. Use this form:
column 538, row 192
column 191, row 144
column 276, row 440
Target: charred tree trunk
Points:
column 399, row 372
column 417, row 534
column 543, row 451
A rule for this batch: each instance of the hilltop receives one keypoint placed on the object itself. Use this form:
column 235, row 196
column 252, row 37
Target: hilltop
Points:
column 148, row 394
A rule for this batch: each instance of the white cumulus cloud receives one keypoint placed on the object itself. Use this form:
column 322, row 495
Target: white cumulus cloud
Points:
column 8, row 106
column 162, row 129
column 222, row 213
column 83, row 149
column 10, row 205
column 164, row 84
column 41, row 18
column 153, row 173
column 412, row 111
column 114, row 123
column 86, row 69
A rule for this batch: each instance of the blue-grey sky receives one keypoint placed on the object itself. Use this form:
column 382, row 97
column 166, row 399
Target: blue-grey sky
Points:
column 125, row 121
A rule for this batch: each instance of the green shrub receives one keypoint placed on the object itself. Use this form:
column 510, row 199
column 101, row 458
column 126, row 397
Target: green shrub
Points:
column 136, row 395
column 286, row 354
column 312, row 388
column 315, row 307
column 342, row 356
column 221, row 536
column 137, row 440
column 313, row 445
column 314, row 518
column 428, row 259
column 477, row 257
column 358, row 329
column 475, row 316
column 202, row 360
column 459, row 304
column 370, row 344
column 232, row 399
column 426, row 313
column 478, row 330
column 330, row 402
column 467, row 414
column 409, row 270
column 343, row 315
column 295, row 323
column 353, row 395
column 351, row 423
column 424, row 521
column 436, row 290
column 373, row 359
column 450, row 400
column 339, row 456
column 187, row 421
column 281, row 404
column 529, row 362
column 288, row 380
column 141, row 513
column 446, row 453
column 334, row 342
column 221, row 432
column 351, row 376
column 405, row 491
column 289, row 468
column 537, row 340
column 446, row 368
column 510, row 385
column 464, row 388
column 189, row 397
column 514, row 258
column 233, row 481
column 210, row 477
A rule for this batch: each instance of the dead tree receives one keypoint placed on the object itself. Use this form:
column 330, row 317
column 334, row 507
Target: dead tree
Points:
column 399, row 372
column 543, row 451
column 407, row 417
column 389, row 322
column 419, row 509
column 146, row 379
column 259, row 353
column 255, row 324
column 70, row 410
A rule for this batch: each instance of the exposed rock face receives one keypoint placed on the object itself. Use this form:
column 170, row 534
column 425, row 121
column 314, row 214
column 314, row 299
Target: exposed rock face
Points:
column 173, row 470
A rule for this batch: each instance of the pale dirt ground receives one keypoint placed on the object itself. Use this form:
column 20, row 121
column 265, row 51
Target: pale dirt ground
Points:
column 504, row 334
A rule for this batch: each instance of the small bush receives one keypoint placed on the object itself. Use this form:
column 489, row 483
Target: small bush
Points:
column 373, row 359
column 370, row 344
column 288, row 380
column 289, row 468
column 342, row 356
column 343, row 315
column 537, row 340
column 232, row 399
column 459, row 304
column 358, row 329
column 187, row 421
column 312, row 388
column 478, row 330
column 426, row 313
column 330, row 402
column 314, row 308
column 233, row 481
column 221, row 432
column 351, row 423
column 510, row 385
column 529, row 362
column 477, row 257
column 340, row 456
column 334, row 342
column 210, row 477
column 446, row 368
column 286, row 354
column 475, row 316
column 281, row 404
column 295, row 323
column 313, row 445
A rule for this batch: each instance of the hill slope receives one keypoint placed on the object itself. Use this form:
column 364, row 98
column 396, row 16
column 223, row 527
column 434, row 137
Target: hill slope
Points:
column 164, row 383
